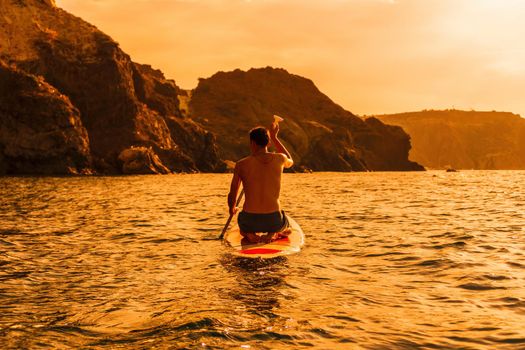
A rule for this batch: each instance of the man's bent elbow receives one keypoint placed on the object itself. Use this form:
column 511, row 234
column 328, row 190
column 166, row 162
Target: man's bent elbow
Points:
column 288, row 163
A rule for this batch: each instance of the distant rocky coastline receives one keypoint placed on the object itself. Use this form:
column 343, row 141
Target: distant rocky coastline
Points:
column 72, row 102
column 455, row 139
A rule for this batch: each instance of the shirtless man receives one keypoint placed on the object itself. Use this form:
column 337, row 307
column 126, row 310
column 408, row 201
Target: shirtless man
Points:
column 260, row 174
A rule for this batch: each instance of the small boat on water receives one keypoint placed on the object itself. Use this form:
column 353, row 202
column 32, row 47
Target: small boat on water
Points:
column 282, row 246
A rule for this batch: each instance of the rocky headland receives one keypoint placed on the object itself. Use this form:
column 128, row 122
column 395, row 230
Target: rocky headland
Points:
column 443, row 139
column 74, row 103
column 320, row 134
column 130, row 111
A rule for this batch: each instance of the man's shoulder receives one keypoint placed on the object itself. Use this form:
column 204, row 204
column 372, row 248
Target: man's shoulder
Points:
column 283, row 159
column 281, row 156
column 243, row 160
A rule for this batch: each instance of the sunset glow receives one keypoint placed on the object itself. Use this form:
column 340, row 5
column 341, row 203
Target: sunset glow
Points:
column 371, row 56
column 234, row 201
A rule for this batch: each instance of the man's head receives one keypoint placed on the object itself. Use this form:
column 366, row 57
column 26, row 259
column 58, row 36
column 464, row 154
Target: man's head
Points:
column 259, row 136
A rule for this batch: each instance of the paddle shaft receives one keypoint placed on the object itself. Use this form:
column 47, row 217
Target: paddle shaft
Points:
column 231, row 215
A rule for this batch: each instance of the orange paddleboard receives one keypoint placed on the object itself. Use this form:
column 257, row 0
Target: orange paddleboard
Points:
column 281, row 247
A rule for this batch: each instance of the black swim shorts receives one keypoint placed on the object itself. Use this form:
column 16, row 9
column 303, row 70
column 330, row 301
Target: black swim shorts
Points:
column 253, row 223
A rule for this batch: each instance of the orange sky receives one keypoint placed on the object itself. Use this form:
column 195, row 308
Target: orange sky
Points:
column 370, row 56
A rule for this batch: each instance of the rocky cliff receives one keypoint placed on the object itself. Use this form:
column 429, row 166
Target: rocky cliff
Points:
column 464, row 139
column 128, row 110
column 40, row 130
column 320, row 134
column 95, row 110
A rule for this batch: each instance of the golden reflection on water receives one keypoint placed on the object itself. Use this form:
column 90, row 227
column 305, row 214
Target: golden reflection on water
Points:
column 392, row 260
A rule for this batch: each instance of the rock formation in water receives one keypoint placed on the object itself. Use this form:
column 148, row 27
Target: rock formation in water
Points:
column 40, row 130
column 320, row 134
column 122, row 105
column 464, row 139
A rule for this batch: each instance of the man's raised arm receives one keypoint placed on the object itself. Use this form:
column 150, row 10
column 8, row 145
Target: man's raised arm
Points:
column 279, row 147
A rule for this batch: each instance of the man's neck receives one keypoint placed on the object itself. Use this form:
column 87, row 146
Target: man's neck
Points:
column 260, row 151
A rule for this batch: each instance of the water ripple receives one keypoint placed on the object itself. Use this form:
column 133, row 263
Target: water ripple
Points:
column 393, row 260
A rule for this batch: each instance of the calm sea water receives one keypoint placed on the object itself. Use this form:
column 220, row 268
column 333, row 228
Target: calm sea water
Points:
column 392, row 261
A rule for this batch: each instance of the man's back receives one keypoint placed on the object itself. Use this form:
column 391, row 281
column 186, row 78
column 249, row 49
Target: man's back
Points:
column 261, row 179
column 260, row 175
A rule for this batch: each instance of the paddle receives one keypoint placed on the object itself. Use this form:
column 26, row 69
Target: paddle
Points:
column 231, row 215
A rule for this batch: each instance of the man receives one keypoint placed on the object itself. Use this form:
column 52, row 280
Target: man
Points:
column 260, row 174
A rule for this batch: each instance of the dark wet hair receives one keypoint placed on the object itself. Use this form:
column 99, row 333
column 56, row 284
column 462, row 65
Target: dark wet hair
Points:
column 260, row 136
